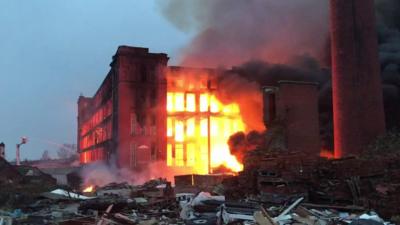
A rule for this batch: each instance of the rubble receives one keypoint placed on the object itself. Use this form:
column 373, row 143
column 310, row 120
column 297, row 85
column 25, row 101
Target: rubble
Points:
column 139, row 207
column 274, row 190
column 349, row 184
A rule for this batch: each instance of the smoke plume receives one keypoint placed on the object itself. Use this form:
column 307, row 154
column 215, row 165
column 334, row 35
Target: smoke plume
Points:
column 102, row 173
column 388, row 20
column 233, row 32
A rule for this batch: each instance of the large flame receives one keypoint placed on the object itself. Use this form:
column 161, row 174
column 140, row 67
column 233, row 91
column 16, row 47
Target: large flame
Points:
column 88, row 189
column 198, row 123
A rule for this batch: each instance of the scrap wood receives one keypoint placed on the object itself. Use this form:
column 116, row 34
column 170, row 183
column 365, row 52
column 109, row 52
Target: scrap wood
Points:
column 80, row 220
column 337, row 207
column 286, row 211
column 303, row 212
column 124, row 218
column 304, row 220
column 323, row 215
column 261, row 219
column 103, row 218
column 107, row 221
column 265, row 213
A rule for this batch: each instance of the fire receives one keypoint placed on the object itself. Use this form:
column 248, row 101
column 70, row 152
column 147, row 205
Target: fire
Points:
column 199, row 124
column 327, row 154
column 88, row 189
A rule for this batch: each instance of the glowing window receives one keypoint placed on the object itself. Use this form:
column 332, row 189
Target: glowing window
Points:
column 214, row 105
column 204, row 127
column 170, row 103
column 169, row 127
column 179, row 131
column 190, row 127
column 179, row 155
column 179, row 102
column 190, row 154
column 169, row 155
column 203, row 102
column 190, row 102
column 214, row 126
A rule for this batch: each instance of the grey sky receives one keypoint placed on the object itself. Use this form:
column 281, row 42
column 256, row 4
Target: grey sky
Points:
column 53, row 50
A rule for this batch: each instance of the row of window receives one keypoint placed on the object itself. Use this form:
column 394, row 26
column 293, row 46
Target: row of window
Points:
column 188, row 154
column 97, row 154
column 96, row 136
column 136, row 129
column 97, row 118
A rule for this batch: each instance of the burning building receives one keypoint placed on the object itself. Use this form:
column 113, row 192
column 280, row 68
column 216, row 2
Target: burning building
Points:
column 198, row 124
column 145, row 111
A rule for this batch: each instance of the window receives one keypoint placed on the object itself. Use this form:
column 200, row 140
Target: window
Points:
column 153, row 97
column 143, row 74
column 190, row 102
column 170, row 157
column 153, row 120
column 179, row 102
column 153, row 151
column 179, row 155
column 179, row 131
column 153, row 130
column 190, row 154
column 133, row 148
column 190, row 127
column 133, row 123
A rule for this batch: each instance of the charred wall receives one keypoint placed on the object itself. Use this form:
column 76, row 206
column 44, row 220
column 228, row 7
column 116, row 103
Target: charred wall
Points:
column 297, row 105
column 141, row 91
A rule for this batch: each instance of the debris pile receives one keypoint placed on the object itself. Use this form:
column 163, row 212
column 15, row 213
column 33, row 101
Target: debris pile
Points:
column 272, row 190
column 369, row 183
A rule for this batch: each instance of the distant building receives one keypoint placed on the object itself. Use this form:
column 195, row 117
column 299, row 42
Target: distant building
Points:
column 2, row 150
column 59, row 169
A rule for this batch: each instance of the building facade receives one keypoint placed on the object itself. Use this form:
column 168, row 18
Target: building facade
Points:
column 294, row 105
column 125, row 119
column 145, row 111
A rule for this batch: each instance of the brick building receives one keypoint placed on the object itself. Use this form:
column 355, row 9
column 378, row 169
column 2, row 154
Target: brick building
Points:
column 146, row 111
column 123, row 119
column 358, row 113
column 295, row 106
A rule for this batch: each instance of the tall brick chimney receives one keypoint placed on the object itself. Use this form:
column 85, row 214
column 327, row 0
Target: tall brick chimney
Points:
column 356, row 83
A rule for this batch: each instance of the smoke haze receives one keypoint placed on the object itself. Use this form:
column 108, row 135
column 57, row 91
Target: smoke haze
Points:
column 233, row 32
column 103, row 173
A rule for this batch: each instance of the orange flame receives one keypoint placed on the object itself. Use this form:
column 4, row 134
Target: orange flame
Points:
column 197, row 121
column 88, row 189
column 327, row 154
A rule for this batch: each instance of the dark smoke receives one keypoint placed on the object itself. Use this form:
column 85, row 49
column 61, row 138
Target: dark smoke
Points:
column 299, row 68
column 232, row 32
column 239, row 143
column 388, row 20
column 242, row 84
